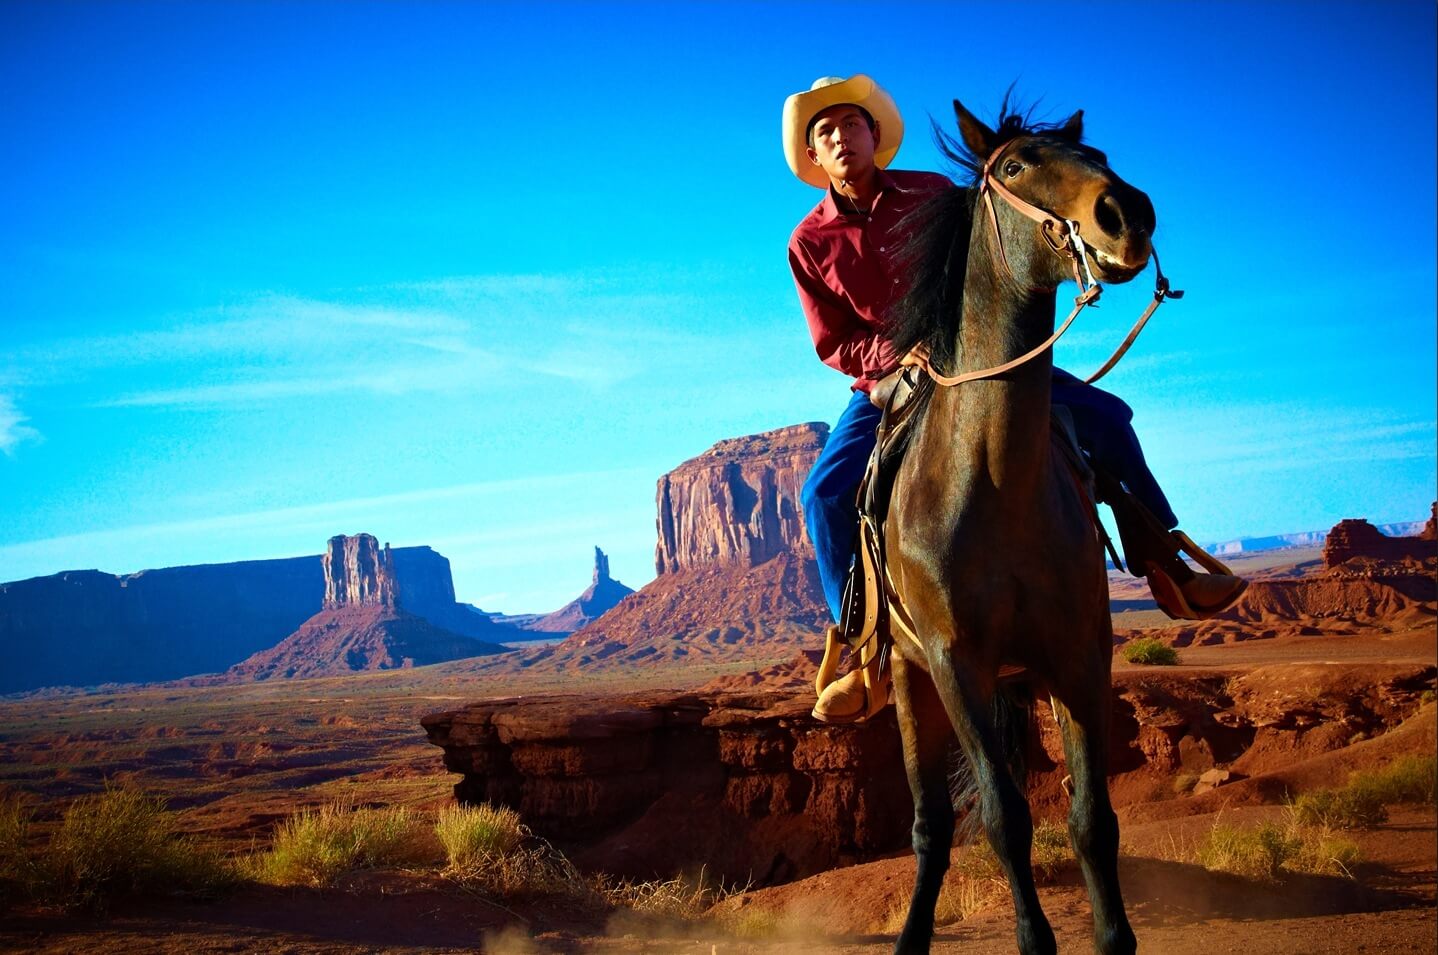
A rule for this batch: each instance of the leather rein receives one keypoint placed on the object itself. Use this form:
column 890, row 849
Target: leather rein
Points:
column 1062, row 236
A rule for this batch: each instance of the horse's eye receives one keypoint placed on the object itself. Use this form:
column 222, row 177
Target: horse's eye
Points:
column 1012, row 169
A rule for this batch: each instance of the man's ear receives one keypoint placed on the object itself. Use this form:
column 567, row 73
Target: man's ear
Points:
column 978, row 137
column 813, row 156
column 878, row 133
column 1072, row 129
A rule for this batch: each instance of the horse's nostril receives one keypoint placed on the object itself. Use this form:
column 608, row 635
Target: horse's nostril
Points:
column 1108, row 214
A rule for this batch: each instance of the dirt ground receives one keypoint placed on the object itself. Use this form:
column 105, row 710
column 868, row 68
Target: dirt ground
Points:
column 1176, row 908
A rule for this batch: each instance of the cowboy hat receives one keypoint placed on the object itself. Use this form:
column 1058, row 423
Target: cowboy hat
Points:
column 827, row 91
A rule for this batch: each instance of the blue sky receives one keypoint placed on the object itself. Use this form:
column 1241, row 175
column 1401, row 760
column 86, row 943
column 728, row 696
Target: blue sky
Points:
column 475, row 275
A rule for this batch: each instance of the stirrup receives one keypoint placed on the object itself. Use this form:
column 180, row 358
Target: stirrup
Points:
column 877, row 678
column 1200, row 556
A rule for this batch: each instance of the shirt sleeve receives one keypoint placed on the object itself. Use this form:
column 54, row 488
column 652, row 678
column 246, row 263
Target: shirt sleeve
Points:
column 841, row 339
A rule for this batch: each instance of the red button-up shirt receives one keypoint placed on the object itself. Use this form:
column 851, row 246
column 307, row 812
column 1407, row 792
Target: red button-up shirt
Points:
column 843, row 265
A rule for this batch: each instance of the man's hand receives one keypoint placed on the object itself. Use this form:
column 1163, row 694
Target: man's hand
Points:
column 884, row 387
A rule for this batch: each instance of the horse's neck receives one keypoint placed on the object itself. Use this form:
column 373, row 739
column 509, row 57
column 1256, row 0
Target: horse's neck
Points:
column 1004, row 421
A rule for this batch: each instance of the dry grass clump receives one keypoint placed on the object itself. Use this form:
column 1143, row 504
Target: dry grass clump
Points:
column 123, row 842
column 18, row 869
column 974, row 883
column 677, row 898
column 489, row 850
column 1051, row 849
column 1266, row 851
column 472, row 834
column 1364, row 801
column 1150, row 651
column 315, row 846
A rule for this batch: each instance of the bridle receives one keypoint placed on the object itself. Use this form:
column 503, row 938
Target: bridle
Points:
column 1062, row 236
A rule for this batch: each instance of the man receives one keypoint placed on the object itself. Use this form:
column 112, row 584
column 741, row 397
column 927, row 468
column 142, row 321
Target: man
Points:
column 840, row 136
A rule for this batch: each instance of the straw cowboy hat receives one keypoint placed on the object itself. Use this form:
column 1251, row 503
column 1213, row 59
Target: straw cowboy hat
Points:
column 828, row 91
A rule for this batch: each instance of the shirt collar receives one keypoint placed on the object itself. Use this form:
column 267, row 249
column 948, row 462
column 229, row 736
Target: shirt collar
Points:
column 831, row 207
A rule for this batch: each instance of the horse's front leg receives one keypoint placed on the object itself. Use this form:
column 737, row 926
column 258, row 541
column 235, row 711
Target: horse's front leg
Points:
column 926, row 733
column 1006, row 816
column 1082, row 710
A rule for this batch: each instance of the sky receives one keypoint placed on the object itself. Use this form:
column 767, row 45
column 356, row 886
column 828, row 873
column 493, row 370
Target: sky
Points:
column 476, row 275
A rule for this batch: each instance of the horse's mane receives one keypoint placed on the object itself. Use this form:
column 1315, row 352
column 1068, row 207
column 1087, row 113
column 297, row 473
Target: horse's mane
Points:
column 936, row 254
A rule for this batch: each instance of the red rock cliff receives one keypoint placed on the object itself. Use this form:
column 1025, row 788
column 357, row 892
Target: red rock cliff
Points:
column 358, row 573
column 1358, row 538
column 738, row 502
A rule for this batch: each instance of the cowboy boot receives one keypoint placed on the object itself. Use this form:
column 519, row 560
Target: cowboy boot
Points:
column 854, row 697
column 850, row 700
column 1155, row 552
column 1185, row 594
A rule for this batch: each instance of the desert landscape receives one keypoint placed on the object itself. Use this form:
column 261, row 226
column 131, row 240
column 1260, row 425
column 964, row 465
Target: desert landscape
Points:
column 657, row 749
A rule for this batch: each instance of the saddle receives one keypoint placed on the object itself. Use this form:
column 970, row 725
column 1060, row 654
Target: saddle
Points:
column 871, row 609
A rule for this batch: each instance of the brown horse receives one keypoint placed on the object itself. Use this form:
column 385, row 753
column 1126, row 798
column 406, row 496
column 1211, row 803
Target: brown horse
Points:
column 990, row 540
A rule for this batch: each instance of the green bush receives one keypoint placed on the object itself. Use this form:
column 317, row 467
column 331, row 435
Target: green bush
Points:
column 123, row 842
column 1346, row 808
column 314, row 847
column 1266, row 851
column 1257, row 853
column 1150, row 651
column 1409, row 779
column 1364, row 800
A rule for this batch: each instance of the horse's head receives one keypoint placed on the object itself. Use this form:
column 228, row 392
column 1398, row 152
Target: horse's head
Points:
column 1061, row 185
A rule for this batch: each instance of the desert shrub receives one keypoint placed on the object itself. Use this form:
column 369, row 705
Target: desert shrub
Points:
column 123, row 841
column 315, row 846
column 1150, row 651
column 1257, row 853
column 975, row 882
column 1266, row 851
column 1368, row 793
column 1409, row 779
column 470, row 834
column 1346, row 808
column 491, row 851
column 18, row 871
column 1320, row 852
column 676, row 898
column 1051, row 848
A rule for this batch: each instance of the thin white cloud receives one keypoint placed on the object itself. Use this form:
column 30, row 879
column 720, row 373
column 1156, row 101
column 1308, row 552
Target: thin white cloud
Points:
column 349, row 513
column 13, row 429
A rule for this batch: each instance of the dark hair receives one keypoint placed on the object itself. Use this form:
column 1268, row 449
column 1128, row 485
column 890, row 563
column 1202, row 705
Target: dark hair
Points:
column 936, row 254
column 809, row 130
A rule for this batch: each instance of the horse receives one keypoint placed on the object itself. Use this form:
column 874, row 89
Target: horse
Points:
column 993, row 548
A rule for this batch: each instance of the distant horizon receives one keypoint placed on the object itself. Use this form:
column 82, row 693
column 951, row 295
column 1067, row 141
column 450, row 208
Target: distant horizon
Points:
column 1381, row 525
column 268, row 270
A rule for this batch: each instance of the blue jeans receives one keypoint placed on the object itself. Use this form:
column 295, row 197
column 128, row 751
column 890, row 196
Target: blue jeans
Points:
column 831, row 513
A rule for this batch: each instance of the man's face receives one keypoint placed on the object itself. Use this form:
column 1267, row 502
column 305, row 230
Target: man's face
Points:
column 843, row 144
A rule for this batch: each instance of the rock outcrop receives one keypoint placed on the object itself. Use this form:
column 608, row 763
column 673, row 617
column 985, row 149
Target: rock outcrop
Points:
column 747, row 784
column 1357, row 538
column 603, row 595
column 738, row 502
column 362, row 625
column 85, row 627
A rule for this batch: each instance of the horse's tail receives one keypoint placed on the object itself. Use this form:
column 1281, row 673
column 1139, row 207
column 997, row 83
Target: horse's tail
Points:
column 1012, row 713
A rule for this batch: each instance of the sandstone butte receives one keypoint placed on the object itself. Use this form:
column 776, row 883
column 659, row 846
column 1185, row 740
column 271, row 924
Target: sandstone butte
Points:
column 736, row 574
column 622, row 779
column 85, row 627
column 362, row 624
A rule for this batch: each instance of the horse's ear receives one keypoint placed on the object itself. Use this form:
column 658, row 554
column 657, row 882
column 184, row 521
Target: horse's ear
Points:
column 1072, row 128
column 978, row 137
